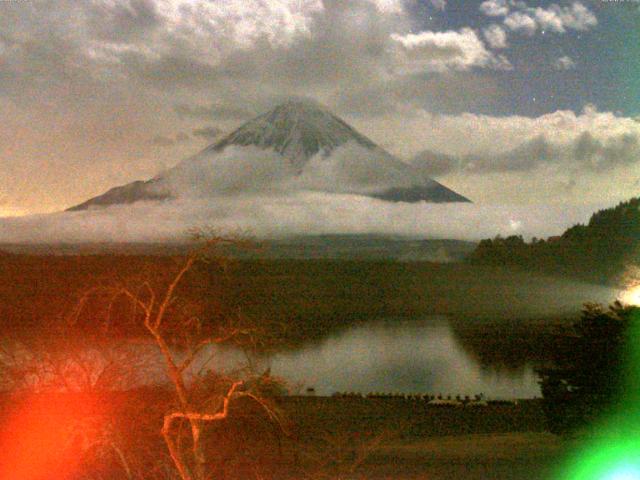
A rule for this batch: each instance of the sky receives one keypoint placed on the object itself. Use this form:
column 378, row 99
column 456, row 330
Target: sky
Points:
column 506, row 102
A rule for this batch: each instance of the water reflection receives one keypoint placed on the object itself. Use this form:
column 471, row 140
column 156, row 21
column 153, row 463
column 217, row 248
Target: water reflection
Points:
column 430, row 355
column 399, row 356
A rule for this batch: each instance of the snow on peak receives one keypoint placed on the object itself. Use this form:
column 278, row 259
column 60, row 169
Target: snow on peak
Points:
column 296, row 129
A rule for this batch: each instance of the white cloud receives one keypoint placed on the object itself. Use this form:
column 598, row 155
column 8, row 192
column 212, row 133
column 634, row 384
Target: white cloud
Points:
column 501, row 62
column 439, row 51
column 496, row 36
column 558, row 19
column 580, row 155
column 469, row 133
column 240, row 22
column 494, row 8
column 256, row 191
column 521, row 22
column 389, row 6
column 564, row 63
column 245, row 21
column 236, row 169
column 308, row 213
column 606, row 140
column 350, row 168
column 554, row 18
column 549, row 20
column 577, row 17
column 353, row 169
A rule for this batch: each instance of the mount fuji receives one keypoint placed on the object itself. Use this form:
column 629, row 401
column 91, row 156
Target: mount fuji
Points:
column 297, row 145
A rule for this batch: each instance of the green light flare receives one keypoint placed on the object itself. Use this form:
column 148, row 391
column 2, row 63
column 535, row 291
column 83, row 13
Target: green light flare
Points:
column 613, row 450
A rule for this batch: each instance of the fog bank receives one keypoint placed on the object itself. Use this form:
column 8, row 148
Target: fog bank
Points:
column 280, row 214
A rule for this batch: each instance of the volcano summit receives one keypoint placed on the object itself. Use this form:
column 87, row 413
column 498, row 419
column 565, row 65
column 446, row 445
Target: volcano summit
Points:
column 298, row 145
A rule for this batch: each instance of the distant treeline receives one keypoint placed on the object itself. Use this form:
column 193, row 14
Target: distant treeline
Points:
column 598, row 251
column 300, row 299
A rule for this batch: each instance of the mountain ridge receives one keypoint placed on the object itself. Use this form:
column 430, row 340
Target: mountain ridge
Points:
column 300, row 132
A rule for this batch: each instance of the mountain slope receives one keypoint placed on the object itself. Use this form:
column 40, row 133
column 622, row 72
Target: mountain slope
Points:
column 129, row 193
column 320, row 151
column 297, row 130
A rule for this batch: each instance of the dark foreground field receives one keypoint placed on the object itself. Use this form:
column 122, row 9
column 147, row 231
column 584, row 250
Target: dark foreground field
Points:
column 395, row 438
column 521, row 456
column 332, row 438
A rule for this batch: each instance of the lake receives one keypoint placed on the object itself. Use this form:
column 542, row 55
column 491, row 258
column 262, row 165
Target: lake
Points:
column 395, row 355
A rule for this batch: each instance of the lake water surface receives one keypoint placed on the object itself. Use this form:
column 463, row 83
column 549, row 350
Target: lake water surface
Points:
column 393, row 355
column 425, row 355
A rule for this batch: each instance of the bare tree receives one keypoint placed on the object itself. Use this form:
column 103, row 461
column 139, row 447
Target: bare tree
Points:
column 182, row 338
column 91, row 349
column 49, row 373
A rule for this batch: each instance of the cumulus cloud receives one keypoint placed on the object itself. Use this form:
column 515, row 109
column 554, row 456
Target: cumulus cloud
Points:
column 389, row 6
column 122, row 21
column 194, row 43
column 245, row 51
column 439, row 51
column 257, row 191
column 564, row 63
column 494, row 8
column 90, row 80
column 521, row 22
column 553, row 18
column 584, row 153
column 344, row 40
column 549, row 20
column 242, row 22
column 496, row 36
column 468, row 133
column 576, row 17
column 601, row 155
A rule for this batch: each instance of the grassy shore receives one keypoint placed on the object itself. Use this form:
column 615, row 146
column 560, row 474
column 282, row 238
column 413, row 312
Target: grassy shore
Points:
column 332, row 438
column 404, row 439
column 509, row 456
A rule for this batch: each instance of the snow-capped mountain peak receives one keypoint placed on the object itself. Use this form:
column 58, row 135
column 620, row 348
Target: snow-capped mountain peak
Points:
column 297, row 145
column 296, row 129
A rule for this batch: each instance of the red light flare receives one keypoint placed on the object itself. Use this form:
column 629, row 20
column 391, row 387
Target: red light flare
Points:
column 42, row 436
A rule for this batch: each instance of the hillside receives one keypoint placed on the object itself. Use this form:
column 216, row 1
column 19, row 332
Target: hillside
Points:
column 602, row 250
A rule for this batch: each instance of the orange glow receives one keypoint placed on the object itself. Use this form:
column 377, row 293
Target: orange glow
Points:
column 43, row 437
